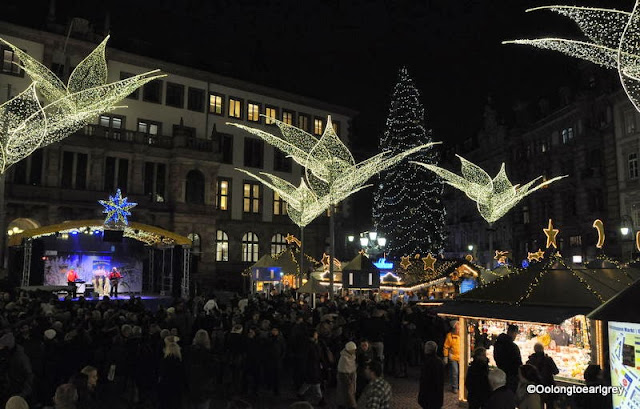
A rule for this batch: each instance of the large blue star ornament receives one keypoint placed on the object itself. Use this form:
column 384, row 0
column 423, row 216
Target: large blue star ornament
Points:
column 117, row 208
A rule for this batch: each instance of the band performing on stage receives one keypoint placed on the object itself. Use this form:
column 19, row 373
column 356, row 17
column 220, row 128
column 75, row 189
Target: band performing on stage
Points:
column 104, row 283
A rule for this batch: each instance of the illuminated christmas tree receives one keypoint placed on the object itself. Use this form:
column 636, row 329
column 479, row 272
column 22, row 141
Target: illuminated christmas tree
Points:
column 408, row 209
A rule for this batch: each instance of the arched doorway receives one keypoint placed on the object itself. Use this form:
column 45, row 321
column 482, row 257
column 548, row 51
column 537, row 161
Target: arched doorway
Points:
column 19, row 225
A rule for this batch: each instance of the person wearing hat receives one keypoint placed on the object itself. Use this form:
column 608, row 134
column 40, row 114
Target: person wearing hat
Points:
column 347, row 368
column 507, row 356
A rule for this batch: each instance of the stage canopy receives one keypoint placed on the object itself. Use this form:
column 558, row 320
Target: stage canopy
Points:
column 150, row 235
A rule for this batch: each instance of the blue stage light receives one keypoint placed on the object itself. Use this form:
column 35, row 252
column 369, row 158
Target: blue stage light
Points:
column 96, row 232
column 74, row 232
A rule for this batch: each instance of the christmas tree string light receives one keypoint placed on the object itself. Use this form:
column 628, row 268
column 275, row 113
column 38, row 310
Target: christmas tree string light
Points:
column 615, row 42
column 494, row 197
column 26, row 124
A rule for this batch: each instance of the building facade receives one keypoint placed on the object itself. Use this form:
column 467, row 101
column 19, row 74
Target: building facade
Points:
column 172, row 151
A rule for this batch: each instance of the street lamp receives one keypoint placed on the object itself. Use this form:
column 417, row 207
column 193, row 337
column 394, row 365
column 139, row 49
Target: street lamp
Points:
column 364, row 242
column 382, row 241
column 624, row 230
column 373, row 235
column 350, row 238
column 470, row 247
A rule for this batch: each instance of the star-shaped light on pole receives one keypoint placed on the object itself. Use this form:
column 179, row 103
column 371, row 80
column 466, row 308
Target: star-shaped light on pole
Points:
column 429, row 262
column 117, row 209
column 551, row 234
column 537, row 256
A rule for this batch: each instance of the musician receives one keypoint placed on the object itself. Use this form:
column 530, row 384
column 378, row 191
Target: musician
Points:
column 72, row 276
column 114, row 278
column 99, row 280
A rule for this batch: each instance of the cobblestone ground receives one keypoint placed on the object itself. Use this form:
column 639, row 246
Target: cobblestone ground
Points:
column 405, row 394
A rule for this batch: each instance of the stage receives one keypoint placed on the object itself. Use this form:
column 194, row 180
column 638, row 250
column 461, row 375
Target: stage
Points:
column 150, row 302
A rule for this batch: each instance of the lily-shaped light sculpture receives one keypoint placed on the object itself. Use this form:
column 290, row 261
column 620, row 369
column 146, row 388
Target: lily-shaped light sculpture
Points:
column 494, row 197
column 330, row 168
column 26, row 124
column 613, row 42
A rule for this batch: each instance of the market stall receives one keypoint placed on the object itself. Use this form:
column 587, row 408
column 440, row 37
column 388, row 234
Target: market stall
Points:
column 548, row 301
column 360, row 274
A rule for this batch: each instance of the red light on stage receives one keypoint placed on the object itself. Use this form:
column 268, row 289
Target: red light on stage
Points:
column 44, row 258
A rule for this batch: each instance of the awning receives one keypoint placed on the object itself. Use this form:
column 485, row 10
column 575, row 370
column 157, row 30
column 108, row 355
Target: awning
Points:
column 483, row 310
column 624, row 307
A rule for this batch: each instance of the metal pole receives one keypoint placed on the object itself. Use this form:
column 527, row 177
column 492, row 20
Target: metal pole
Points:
column 332, row 248
column 3, row 223
column 301, row 256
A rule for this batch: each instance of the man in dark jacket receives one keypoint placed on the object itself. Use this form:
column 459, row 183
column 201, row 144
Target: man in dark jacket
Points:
column 547, row 369
column 507, row 356
column 312, row 367
column 276, row 353
column 16, row 377
column 477, row 381
column 431, row 395
column 502, row 397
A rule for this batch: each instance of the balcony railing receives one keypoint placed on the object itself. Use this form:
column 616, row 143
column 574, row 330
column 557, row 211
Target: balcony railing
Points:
column 160, row 141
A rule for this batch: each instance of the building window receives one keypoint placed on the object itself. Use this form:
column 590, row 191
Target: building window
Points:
column 250, row 247
column 575, row 241
column 225, row 147
column 303, row 122
column 216, row 104
column 10, row 62
column 271, row 114
column 279, row 205
column 235, row 108
column 152, row 92
column 287, row 117
column 113, row 126
column 195, row 99
column 155, row 181
column 116, row 173
column 526, row 215
column 123, row 76
column 336, row 127
column 147, row 127
column 194, row 189
column 253, row 112
column 318, row 126
column 29, row 169
column 195, row 243
column 278, row 243
column 567, row 135
column 632, row 164
column 222, row 246
column 251, row 197
column 74, row 170
column 223, row 194
column 629, row 121
column 281, row 162
column 253, row 152
column 175, row 95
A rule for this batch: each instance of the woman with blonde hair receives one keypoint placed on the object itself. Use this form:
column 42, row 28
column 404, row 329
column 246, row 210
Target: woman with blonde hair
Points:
column 172, row 379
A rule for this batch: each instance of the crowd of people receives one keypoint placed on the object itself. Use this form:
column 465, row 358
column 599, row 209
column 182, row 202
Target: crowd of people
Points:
column 119, row 354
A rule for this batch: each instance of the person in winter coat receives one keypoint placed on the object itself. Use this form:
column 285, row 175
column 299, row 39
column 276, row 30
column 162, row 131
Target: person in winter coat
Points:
column 347, row 369
column 276, row 353
column 312, row 367
column 507, row 356
column 16, row 377
column 431, row 394
column 364, row 355
column 546, row 368
column 525, row 400
column 253, row 361
column 451, row 353
column 199, row 364
column 171, row 384
column 501, row 396
column 478, row 389
column 593, row 377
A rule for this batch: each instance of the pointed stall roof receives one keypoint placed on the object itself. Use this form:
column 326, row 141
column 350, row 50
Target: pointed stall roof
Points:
column 361, row 263
column 313, row 286
column 623, row 307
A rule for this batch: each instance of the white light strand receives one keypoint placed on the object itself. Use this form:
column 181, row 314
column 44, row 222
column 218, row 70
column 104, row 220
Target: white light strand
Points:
column 494, row 197
column 26, row 125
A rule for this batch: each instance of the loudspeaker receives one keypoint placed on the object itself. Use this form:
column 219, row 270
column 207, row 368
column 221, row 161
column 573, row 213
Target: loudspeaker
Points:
column 112, row 236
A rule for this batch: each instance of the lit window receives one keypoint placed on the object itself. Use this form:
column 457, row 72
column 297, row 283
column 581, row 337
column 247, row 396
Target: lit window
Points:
column 318, row 126
column 250, row 247
column 251, row 198
column 278, row 244
column 336, row 127
column 223, row 194
column 270, row 114
column 287, row 117
column 112, row 125
column 235, row 108
column 253, row 112
column 148, row 127
column 633, row 165
column 216, row 103
column 10, row 62
column 303, row 122
column 279, row 205
column 222, row 246
column 567, row 135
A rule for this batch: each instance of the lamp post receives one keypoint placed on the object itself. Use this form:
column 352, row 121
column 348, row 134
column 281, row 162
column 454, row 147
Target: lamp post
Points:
column 626, row 227
column 371, row 243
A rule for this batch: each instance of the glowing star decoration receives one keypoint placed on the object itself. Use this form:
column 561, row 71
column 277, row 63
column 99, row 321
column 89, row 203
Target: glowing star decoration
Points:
column 501, row 256
column 117, row 209
column 469, row 258
column 494, row 197
column 429, row 262
column 599, row 226
column 290, row 238
column 551, row 234
column 405, row 263
column 638, row 240
column 26, row 124
column 613, row 42
column 330, row 168
column 537, row 256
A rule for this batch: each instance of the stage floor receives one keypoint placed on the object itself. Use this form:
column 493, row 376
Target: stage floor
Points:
column 151, row 301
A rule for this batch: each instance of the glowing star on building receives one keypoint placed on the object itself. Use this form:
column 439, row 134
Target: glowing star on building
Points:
column 290, row 238
column 494, row 197
column 613, row 42
column 117, row 209
column 325, row 260
column 537, row 256
column 501, row 256
column 429, row 262
column 405, row 262
column 551, row 234
column 599, row 226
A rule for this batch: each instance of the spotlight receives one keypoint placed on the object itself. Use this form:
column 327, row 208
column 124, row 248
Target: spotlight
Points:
column 96, row 232
column 74, row 232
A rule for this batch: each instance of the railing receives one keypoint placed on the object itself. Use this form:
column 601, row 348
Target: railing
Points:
column 161, row 141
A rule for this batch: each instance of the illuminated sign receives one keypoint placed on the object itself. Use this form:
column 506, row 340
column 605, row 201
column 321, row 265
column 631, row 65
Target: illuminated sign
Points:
column 383, row 264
